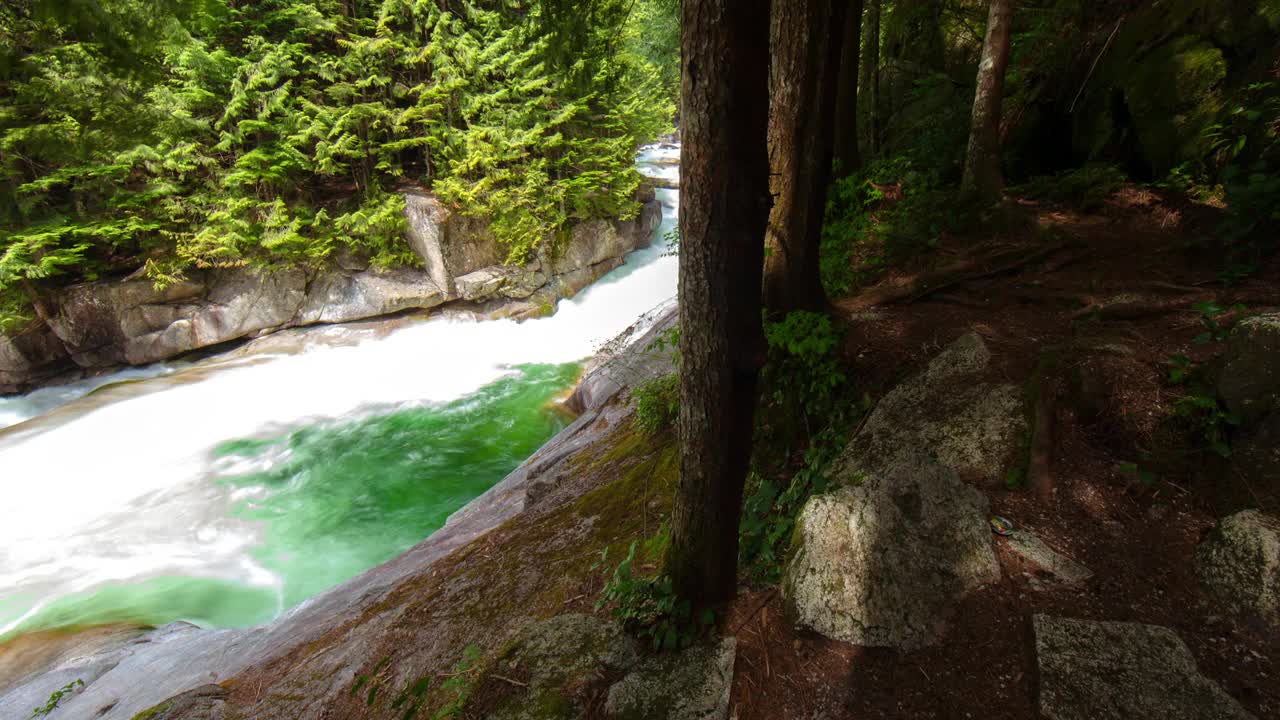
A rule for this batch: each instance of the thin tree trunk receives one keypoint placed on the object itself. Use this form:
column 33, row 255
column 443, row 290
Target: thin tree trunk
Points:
column 846, row 143
column 871, row 73
column 806, row 63
column 983, row 180
column 723, row 213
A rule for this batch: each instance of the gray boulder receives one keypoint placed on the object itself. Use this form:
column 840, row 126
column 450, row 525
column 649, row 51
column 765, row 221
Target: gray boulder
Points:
column 1249, row 383
column 974, row 427
column 882, row 563
column 693, row 684
column 1117, row 670
column 1240, row 564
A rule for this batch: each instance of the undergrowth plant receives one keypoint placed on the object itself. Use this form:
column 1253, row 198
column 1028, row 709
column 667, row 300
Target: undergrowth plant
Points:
column 56, row 697
column 648, row 607
column 1208, row 422
column 808, row 405
column 658, row 404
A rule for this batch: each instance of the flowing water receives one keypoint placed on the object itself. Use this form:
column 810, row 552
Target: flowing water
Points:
column 225, row 491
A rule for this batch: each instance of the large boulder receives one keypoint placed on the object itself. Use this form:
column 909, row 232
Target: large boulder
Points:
column 974, row 427
column 340, row 296
column 1118, row 670
column 883, row 562
column 1163, row 81
column 1239, row 562
column 1249, row 383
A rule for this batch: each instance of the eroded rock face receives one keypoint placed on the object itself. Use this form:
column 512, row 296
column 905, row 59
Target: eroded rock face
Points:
column 133, row 323
column 29, row 357
column 1249, row 383
column 1117, row 670
column 976, row 428
column 882, row 562
column 130, row 322
column 449, row 243
column 337, row 297
column 1240, row 564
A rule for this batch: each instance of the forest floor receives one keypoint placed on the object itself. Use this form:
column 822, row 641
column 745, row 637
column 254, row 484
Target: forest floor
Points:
column 1123, row 280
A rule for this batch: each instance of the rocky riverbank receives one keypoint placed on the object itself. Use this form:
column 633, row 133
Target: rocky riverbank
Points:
column 94, row 326
column 125, row 671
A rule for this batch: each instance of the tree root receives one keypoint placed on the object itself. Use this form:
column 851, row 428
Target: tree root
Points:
column 1127, row 311
column 963, row 271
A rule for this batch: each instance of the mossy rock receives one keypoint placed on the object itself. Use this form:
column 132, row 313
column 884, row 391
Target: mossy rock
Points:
column 1165, row 79
column 1173, row 95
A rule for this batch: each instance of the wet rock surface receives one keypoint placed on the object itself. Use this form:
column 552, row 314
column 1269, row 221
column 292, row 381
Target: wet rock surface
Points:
column 1114, row 670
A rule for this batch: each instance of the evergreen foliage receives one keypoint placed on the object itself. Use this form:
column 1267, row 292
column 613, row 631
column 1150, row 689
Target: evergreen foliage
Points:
column 178, row 134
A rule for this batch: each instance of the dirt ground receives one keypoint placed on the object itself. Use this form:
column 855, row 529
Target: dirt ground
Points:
column 1139, row 541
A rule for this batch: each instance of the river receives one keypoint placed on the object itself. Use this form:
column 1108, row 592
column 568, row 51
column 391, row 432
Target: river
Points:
column 227, row 490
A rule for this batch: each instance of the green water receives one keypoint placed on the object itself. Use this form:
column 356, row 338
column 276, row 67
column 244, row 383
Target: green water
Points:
column 340, row 498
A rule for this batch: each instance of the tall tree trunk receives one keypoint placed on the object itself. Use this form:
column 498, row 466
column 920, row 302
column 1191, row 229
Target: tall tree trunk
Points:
column 871, row 78
column 846, row 143
column 724, row 209
column 983, row 180
column 806, row 64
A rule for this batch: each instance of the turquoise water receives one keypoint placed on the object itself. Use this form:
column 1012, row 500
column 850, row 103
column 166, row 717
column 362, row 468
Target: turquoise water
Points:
column 331, row 500
column 226, row 491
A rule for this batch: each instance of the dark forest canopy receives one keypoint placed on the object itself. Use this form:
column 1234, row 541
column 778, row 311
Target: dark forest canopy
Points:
column 191, row 133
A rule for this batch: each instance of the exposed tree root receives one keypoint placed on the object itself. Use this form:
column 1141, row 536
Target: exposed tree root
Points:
column 1127, row 311
column 927, row 284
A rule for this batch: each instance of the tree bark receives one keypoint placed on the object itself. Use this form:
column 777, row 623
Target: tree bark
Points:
column 846, row 143
column 806, row 62
column 723, row 213
column 983, row 180
column 871, row 78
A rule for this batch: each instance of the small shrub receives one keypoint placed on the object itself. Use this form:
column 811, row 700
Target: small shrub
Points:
column 56, row 697
column 657, row 404
column 648, row 607
column 1085, row 187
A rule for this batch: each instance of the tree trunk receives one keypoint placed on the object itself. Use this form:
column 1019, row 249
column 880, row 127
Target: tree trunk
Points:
column 806, row 62
column 724, row 209
column 871, row 78
column 983, row 181
column 846, row 143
